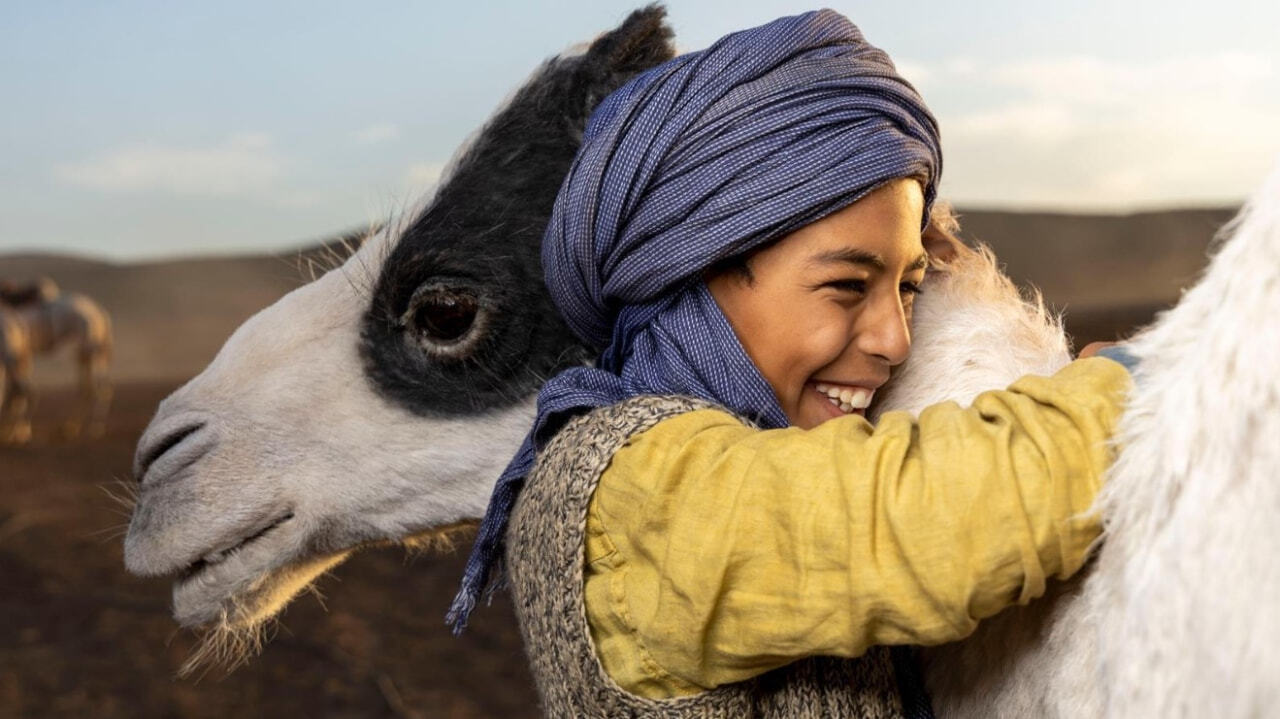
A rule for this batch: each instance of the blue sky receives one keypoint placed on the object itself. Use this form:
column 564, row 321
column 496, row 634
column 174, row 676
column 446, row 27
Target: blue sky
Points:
column 145, row 129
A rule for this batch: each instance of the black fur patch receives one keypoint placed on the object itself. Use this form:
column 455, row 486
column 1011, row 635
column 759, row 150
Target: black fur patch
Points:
column 482, row 234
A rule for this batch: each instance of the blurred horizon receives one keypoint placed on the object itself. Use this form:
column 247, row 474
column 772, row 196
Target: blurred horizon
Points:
column 152, row 131
column 294, row 254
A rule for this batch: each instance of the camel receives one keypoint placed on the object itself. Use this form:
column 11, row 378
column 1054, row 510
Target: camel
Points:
column 412, row 369
column 17, row 294
column 36, row 319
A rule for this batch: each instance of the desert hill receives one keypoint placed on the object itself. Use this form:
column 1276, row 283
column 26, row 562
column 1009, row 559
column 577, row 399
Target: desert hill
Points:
column 1109, row 272
column 1098, row 265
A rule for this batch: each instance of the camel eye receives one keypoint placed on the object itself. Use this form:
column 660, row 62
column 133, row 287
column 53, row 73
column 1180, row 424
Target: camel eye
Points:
column 443, row 319
column 445, row 316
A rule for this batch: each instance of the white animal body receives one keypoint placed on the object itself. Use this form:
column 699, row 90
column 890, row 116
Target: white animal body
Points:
column 1176, row 616
column 1184, row 601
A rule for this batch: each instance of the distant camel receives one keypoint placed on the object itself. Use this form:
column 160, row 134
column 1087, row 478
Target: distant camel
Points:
column 36, row 319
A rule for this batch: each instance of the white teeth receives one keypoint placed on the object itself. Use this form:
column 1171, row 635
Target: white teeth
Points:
column 847, row 399
column 844, row 406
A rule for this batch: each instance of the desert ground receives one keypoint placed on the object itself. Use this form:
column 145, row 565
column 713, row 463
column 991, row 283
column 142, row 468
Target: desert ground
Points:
column 81, row 638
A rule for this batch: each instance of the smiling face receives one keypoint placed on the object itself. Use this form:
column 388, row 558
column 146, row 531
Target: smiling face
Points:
column 824, row 312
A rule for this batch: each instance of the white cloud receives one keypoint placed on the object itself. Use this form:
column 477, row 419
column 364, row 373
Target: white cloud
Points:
column 1089, row 79
column 1088, row 132
column 240, row 165
column 377, row 133
column 1037, row 120
column 917, row 74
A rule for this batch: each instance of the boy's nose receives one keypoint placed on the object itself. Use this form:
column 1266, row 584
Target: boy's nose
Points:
column 884, row 333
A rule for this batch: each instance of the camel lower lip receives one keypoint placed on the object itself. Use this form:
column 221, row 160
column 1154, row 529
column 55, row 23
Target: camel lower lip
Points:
column 216, row 557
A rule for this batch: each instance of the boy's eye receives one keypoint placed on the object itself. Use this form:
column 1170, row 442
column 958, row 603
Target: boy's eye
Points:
column 859, row 286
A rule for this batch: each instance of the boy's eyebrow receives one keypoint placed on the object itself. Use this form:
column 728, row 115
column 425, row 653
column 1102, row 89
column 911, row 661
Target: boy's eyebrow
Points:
column 848, row 255
column 854, row 256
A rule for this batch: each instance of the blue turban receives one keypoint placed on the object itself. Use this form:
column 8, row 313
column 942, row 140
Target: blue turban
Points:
column 697, row 160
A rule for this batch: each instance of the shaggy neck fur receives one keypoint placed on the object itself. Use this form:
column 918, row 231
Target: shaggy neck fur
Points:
column 1184, row 605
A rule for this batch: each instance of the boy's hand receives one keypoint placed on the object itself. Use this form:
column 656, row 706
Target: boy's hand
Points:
column 1092, row 348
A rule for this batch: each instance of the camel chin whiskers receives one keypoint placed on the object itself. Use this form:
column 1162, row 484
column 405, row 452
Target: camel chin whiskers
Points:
column 243, row 624
column 439, row 540
column 246, row 622
column 225, row 644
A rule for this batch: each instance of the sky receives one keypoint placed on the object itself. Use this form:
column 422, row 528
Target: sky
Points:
column 137, row 130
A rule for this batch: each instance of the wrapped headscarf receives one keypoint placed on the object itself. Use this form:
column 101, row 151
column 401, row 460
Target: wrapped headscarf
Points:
column 700, row 159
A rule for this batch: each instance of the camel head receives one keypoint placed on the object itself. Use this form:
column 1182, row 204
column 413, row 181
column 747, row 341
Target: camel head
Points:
column 378, row 403
column 21, row 294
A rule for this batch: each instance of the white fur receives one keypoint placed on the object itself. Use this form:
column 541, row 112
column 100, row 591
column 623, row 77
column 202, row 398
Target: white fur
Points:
column 973, row 331
column 1176, row 618
column 1184, row 601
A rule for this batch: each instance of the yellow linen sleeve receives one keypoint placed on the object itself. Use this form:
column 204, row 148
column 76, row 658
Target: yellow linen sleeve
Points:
column 716, row 552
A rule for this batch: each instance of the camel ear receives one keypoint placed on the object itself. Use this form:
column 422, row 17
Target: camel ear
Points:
column 642, row 41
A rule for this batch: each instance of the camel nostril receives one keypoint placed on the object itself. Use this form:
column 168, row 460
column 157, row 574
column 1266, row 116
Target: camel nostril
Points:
column 166, row 443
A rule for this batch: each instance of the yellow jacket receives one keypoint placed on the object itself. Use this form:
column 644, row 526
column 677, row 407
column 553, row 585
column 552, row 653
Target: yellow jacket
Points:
column 716, row 552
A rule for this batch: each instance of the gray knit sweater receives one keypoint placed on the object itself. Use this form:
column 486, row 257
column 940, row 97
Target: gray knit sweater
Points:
column 545, row 562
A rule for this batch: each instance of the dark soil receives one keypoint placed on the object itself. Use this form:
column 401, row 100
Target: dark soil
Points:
column 81, row 638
